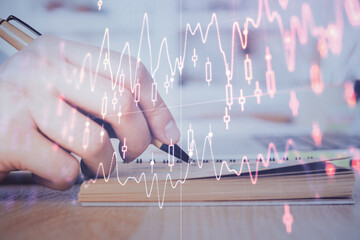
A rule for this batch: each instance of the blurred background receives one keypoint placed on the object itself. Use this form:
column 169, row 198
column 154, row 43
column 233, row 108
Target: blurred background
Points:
column 189, row 96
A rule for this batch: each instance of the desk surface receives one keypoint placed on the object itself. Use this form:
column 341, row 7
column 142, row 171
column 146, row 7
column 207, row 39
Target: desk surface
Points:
column 31, row 211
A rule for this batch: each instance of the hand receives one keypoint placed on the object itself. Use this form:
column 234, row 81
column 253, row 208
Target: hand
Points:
column 47, row 91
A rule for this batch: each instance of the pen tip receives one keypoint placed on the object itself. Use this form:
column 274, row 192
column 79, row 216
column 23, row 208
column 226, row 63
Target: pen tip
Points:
column 178, row 153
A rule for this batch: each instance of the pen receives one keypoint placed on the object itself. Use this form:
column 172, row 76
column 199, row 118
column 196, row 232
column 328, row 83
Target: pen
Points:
column 19, row 40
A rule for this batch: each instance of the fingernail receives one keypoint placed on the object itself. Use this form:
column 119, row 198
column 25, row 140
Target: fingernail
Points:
column 172, row 132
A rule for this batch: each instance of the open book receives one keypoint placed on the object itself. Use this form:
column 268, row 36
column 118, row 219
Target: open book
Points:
column 317, row 176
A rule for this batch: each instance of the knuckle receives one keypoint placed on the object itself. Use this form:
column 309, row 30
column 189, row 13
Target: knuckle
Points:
column 159, row 111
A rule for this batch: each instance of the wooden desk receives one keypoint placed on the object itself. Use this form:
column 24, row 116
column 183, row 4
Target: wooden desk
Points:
column 31, row 211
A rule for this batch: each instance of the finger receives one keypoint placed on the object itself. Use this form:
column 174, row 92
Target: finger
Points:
column 75, row 132
column 158, row 116
column 57, row 168
column 130, row 127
